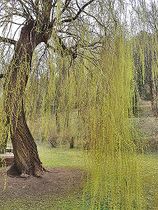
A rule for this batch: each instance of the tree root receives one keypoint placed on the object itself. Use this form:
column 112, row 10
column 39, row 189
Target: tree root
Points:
column 13, row 171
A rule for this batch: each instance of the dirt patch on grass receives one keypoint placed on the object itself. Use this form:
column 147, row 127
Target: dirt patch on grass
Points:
column 57, row 182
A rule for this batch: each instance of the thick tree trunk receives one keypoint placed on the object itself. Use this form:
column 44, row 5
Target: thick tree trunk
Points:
column 26, row 158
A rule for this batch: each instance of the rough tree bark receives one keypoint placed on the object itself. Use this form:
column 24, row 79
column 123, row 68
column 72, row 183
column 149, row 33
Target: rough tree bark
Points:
column 26, row 158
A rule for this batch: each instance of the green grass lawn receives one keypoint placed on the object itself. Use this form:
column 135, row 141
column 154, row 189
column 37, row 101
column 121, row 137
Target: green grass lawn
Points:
column 149, row 170
column 61, row 157
column 148, row 164
column 75, row 158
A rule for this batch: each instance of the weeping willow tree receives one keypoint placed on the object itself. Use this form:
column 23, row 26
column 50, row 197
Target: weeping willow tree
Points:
column 38, row 20
column 101, row 97
column 97, row 87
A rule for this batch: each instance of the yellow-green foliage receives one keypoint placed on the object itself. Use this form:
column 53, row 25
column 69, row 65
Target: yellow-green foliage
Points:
column 115, row 182
column 3, row 128
column 1, row 119
column 1, row 123
column 93, row 103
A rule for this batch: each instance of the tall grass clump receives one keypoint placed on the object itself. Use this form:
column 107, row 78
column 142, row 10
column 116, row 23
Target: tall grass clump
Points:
column 114, row 180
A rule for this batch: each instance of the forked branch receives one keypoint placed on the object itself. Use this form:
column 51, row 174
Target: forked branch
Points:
column 81, row 9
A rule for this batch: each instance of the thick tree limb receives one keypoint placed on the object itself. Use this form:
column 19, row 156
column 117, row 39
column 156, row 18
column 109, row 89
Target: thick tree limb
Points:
column 7, row 40
column 81, row 9
column 25, row 7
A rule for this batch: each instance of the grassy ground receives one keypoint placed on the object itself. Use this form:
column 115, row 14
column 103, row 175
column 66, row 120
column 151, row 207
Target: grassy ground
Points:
column 149, row 171
column 75, row 158
column 51, row 158
column 61, row 157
